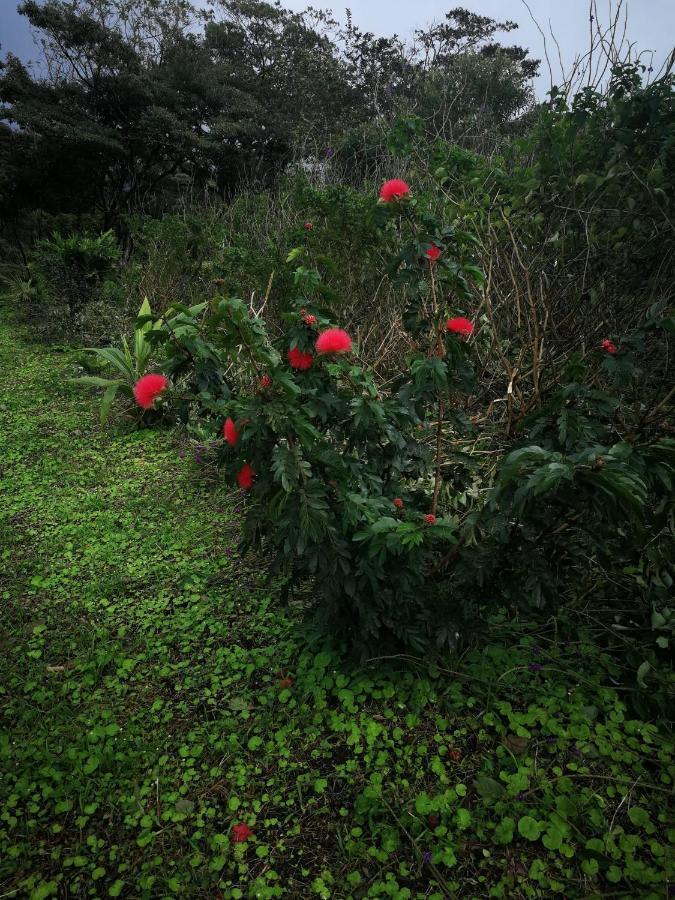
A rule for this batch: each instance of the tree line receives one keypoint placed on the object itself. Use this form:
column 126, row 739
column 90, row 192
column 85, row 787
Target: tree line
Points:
column 134, row 97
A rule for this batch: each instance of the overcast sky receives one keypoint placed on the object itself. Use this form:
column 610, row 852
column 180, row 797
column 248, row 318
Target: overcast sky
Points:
column 651, row 24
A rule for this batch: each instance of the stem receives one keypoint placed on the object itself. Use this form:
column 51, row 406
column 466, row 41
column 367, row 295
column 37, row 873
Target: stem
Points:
column 439, row 434
column 249, row 352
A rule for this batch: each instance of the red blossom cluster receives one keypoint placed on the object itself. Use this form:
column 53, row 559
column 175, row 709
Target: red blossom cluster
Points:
column 230, row 432
column 148, row 388
column 394, row 190
column 609, row 346
column 333, row 340
column 245, row 477
column 240, row 833
column 299, row 360
column 460, row 326
column 433, row 254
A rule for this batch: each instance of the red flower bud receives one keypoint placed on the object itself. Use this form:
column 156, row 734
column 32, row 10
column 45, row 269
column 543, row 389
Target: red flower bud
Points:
column 265, row 382
column 430, row 519
column 286, row 682
column 398, row 503
column 433, row 253
column 309, row 320
column 308, row 226
column 609, row 347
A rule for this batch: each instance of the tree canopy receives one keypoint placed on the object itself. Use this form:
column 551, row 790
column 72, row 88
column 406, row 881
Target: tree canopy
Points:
column 133, row 92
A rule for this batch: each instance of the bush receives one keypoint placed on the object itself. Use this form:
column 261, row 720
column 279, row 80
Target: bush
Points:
column 353, row 483
column 75, row 275
column 322, row 450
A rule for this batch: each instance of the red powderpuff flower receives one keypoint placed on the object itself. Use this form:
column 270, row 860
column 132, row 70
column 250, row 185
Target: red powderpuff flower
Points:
column 230, row 432
column 430, row 519
column 265, row 382
column 245, row 477
column 394, row 190
column 433, row 253
column 240, row 833
column 148, row 388
column 308, row 226
column 609, row 346
column 333, row 340
column 309, row 319
column 460, row 326
column 300, row 360
column 398, row 503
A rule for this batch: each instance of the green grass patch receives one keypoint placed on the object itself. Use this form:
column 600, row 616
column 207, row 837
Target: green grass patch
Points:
column 155, row 692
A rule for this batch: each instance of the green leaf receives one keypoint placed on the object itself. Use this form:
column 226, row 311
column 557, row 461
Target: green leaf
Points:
column 107, row 401
column 294, row 254
column 639, row 816
column 488, row 788
column 553, row 838
column 529, row 828
column 504, row 831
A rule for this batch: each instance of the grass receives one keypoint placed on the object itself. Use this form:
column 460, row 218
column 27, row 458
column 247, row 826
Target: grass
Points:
column 147, row 707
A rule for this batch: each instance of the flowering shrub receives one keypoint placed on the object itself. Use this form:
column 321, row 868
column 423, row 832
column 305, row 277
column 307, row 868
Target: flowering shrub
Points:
column 351, row 484
column 342, row 476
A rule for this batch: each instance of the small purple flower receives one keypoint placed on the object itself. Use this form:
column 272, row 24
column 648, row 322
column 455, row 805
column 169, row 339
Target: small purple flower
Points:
column 237, row 509
column 330, row 152
column 536, row 650
column 536, row 667
column 551, row 740
column 426, row 857
column 199, row 459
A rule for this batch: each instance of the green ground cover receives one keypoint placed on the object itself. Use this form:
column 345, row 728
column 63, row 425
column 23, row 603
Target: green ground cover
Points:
column 155, row 692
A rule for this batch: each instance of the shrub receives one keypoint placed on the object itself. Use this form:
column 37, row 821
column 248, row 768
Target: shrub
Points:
column 323, row 451
column 76, row 270
column 371, row 488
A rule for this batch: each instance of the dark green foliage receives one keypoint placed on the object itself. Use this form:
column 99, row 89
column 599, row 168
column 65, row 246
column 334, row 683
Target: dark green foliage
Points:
column 74, row 272
column 610, row 155
column 139, row 102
